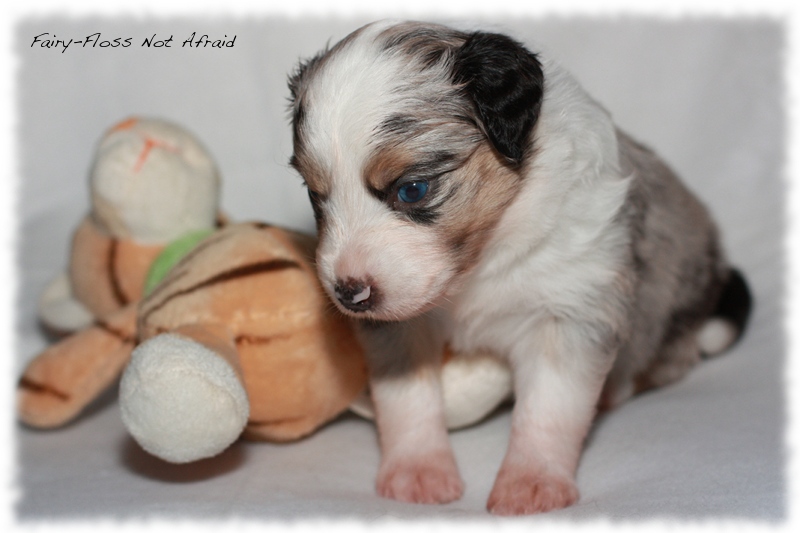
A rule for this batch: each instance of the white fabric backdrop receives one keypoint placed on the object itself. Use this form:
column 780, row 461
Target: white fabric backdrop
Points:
column 706, row 93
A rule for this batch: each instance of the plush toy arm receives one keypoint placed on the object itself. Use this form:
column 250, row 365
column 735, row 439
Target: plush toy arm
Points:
column 66, row 377
column 182, row 396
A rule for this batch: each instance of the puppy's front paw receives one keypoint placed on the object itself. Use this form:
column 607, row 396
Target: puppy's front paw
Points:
column 429, row 479
column 517, row 493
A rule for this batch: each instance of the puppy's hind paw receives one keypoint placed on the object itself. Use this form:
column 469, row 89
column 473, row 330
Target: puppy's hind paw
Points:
column 517, row 493
column 432, row 479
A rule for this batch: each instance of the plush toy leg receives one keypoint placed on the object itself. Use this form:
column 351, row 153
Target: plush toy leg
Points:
column 182, row 396
column 63, row 379
column 60, row 311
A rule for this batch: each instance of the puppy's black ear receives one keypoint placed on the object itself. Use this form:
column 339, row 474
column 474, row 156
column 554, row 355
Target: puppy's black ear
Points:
column 505, row 83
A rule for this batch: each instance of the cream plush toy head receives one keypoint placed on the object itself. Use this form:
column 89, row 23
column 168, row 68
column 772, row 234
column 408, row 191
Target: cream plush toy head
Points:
column 152, row 181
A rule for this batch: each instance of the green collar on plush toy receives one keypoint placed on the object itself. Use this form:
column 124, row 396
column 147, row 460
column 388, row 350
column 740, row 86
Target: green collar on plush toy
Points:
column 169, row 257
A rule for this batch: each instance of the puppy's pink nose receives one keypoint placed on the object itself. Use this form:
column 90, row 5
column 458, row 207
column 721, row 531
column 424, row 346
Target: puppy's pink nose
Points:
column 355, row 295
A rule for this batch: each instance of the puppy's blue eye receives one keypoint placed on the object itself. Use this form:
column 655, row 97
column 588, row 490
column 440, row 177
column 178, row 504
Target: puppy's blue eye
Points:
column 412, row 191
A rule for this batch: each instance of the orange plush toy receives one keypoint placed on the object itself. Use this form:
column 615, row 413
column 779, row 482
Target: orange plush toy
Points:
column 151, row 181
column 236, row 337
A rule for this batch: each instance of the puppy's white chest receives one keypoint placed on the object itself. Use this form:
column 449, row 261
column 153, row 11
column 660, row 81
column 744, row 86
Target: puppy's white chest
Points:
column 477, row 332
column 492, row 313
column 509, row 295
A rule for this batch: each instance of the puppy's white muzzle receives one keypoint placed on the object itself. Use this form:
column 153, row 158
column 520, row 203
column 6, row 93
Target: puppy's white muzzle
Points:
column 389, row 270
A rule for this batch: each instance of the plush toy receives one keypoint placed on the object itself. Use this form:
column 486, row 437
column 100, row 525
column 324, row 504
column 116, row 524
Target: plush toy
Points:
column 234, row 335
column 238, row 337
column 151, row 182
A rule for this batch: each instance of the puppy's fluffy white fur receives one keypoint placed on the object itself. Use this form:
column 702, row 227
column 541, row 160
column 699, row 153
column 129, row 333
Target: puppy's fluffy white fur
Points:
column 544, row 235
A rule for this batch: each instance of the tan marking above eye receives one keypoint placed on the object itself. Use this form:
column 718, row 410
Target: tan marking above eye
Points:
column 310, row 172
column 386, row 166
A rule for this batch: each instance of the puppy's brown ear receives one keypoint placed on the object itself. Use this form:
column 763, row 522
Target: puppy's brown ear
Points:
column 505, row 83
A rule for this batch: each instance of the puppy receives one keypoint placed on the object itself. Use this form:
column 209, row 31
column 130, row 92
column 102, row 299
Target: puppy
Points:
column 468, row 192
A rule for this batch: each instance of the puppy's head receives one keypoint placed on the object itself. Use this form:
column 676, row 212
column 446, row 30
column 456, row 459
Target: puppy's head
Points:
column 411, row 139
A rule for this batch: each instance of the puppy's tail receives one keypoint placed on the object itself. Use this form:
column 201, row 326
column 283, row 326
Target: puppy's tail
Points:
column 728, row 321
